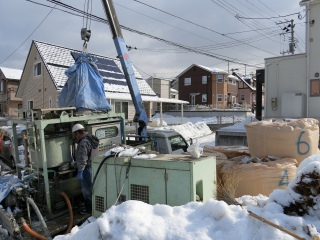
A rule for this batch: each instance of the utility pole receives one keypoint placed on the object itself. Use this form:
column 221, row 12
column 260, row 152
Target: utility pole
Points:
column 289, row 29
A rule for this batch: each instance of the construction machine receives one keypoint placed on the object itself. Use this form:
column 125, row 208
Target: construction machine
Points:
column 47, row 190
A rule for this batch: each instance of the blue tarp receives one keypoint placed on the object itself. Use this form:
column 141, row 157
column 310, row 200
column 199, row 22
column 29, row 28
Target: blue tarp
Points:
column 6, row 185
column 84, row 88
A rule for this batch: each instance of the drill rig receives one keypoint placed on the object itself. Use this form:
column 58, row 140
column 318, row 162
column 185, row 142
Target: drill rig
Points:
column 47, row 188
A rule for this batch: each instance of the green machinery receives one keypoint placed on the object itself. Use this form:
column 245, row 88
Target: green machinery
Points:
column 165, row 179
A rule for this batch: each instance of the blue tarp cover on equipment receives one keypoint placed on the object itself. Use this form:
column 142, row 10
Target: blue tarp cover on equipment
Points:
column 84, row 88
column 6, row 185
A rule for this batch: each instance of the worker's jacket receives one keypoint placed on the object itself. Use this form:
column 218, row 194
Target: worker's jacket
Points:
column 87, row 148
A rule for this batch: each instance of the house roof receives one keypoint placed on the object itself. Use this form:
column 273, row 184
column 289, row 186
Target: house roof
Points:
column 209, row 69
column 58, row 59
column 127, row 97
column 243, row 80
column 11, row 73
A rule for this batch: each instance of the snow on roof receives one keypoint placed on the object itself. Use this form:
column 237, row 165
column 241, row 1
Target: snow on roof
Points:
column 233, row 77
column 210, row 69
column 124, row 96
column 11, row 73
column 213, row 69
column 58, row 59
column 173, row 90
column 243, row 80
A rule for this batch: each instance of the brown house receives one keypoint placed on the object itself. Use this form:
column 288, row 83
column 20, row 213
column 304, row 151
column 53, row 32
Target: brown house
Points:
column 212, row 87
column 247, row 90
column 9, row 82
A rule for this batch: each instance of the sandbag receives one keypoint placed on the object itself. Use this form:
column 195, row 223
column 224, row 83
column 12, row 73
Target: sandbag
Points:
column 259, row 178
column 293, row 138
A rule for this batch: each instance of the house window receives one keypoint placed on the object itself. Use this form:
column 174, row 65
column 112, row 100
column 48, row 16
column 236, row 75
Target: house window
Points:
column 187, row 81
column 233, row 81
column 225, row 97
column 1, row 86
column 233, row 99
column 242, row 98
column 220, row 78
column 219, row 97
column 204, row 79
column 122, row 107
column 1, row 109
column 30, row 104
column 37, row 69
column 50, row 102
column 204, row 97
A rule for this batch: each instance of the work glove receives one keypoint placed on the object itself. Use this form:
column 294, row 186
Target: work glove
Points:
column 79, row 175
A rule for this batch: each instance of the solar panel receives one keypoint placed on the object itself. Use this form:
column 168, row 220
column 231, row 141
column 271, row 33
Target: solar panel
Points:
column 116, row 82
column 105, row 62
column 108, row 69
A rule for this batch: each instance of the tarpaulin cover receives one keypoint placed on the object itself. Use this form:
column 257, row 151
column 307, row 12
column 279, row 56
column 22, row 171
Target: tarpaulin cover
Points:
column 84, row 88
column 6, row 185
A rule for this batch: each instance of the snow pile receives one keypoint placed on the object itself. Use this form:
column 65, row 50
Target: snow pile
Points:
column 188, row 130
column 303, row 193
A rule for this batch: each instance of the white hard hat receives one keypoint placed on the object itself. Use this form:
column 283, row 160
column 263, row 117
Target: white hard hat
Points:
column 77, row 127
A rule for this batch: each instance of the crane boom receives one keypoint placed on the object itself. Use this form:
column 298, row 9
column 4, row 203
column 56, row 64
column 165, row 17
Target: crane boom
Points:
column 141, row 114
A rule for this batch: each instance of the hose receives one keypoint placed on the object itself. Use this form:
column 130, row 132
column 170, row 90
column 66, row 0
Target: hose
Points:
column 95, row 176
column 30, row 231
column 65, row 196
column 36, row 209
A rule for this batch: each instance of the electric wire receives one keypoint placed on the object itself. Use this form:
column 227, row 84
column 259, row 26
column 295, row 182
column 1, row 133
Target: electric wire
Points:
column 269, row 17
column 193, row 23
column 235, row 12
column 28, row 35
column 102, row 20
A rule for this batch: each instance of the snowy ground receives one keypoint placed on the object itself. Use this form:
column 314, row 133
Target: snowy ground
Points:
column 213, row 219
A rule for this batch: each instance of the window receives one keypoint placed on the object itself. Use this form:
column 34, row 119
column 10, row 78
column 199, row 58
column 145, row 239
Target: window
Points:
column 204, row 79
column 1, row 86
column 242, row 98
column 121, row 107
column 187, row 81
column 50, row 102
column 204, row 97
column 233, row 99
column 225, row 97
column 37, row 69
column 30, row 104
column 233, row 81
column 220, row 78
column 219, row 97
column 1, row 109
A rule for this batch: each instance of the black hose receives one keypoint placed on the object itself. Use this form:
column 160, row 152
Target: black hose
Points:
column 95, row 176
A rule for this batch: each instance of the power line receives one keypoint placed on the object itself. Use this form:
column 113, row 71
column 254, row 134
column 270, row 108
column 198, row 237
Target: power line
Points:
column 28, row 36
column 202, row 26
column 190, row 49
column 268, row 17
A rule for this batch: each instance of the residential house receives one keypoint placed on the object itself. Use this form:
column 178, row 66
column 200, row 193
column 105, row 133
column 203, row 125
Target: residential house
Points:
column 246, row 90
column 44, row 76
column 9, row 82
column 162, row 87
column 202, row 85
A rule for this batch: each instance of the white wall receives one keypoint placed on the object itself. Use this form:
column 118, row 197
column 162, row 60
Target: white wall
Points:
column 285, row 74
column 293, row 73
column 313, row 51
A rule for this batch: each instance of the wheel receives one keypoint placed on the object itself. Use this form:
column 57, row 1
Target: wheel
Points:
column 12, row 162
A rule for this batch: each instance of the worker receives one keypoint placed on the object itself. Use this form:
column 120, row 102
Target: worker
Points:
column 86, row 149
